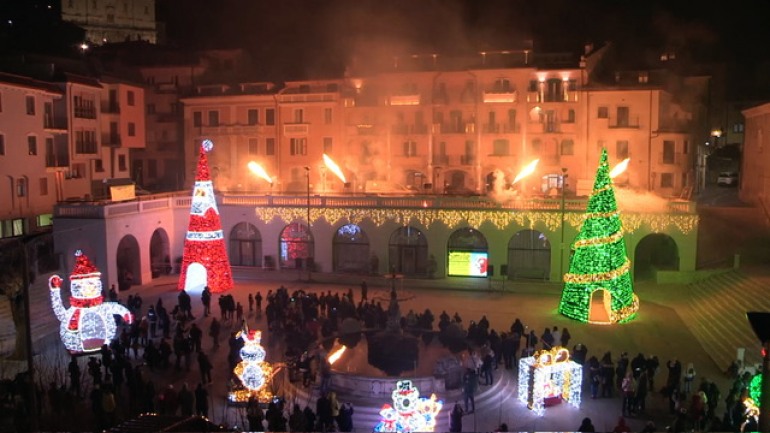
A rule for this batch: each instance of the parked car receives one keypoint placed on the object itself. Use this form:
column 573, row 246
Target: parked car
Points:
column 727, row 178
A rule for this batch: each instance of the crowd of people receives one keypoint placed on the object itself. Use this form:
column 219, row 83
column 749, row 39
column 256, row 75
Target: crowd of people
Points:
column 151, row 365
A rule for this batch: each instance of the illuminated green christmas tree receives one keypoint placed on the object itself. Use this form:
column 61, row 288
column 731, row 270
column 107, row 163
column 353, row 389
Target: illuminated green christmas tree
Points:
column 600, row 262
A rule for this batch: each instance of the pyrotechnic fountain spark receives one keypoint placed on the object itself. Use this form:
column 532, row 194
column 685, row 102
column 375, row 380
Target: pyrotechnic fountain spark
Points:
column 620, row 168
column 334, row 168
column 259, row 171
column 526, row 171
column 337, row 354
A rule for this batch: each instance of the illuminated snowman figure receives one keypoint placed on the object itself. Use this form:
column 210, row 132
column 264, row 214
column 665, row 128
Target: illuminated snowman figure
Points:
column 253, row 371
column 89, row 322
column 410, row 412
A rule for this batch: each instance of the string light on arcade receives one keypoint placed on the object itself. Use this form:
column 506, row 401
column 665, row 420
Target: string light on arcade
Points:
column 548, row 378
column 410, row 412
column 89, row 322
column 600, row 260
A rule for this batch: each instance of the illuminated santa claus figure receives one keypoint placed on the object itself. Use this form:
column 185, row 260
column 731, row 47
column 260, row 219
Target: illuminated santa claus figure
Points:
column 89, row 322
column 410, row 412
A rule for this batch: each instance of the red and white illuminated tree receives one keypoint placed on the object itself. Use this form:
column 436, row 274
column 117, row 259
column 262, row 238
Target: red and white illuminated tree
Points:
column 204, row 261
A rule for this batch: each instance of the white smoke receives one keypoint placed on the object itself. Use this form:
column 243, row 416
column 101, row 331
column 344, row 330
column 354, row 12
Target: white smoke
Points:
column 640, row 201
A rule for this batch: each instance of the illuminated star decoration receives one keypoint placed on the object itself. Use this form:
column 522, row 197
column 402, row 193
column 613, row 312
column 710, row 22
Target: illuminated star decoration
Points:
column 253, row 372
column 410, row 412
column 549, row 374
column 204, row 259
column 600, row 261
column 89, row 322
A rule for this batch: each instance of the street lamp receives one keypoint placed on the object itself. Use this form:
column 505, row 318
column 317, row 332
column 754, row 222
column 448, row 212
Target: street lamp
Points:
column 564, row 177
column 760, row 323
column 307, row 250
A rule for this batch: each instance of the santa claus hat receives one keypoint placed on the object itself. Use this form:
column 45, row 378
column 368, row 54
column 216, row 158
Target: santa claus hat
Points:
column 202, row 173
column 83, row 267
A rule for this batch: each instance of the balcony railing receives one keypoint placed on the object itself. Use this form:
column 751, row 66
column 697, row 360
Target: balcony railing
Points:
column 106, row 209
column 112, row 140
column 623, row 122
column 491, row 128
column 672, row 159
column 53, row 160
column 498, row 96
column 85, row 112
column 55, row 123
column 110, row 107
column 467, row 159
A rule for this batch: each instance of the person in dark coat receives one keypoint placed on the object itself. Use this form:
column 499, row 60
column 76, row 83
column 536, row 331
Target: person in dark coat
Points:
column 345, row 418
column 586, row 426
column 186, row 401
column 456, row 418
column 255, row 415
column 310, row 419
column 323, row 410
column 201, row 401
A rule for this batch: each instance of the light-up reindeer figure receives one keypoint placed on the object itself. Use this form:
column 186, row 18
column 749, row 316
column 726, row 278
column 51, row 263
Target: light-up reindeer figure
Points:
column 89, row 322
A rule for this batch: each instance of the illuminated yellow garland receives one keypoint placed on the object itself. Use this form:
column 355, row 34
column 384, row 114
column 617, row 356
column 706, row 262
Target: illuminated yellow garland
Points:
column 501, row 219
column 598, row 278
column 600, row 241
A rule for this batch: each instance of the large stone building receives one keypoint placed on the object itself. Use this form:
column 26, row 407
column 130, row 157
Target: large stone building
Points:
column 107, row 21
column 755, row 174
column 428, row 126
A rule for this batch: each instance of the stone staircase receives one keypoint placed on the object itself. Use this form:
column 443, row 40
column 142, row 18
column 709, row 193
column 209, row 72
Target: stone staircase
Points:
column 366, row 409
column 716, row 314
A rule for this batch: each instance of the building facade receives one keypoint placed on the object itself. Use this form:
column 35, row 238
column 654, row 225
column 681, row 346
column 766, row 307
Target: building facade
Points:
column 754, row 175
column 32, row 146
column 113, row 20
column 459, row 131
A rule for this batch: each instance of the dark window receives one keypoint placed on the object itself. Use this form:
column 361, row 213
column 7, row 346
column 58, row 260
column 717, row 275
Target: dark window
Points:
column 197, row 118
column 21, row 187
column 328, row 116
column 131, row 129
column 2, row 144
column 621, row 149
column 666, row 180
column 31, row 105
column 603, row 113
column 298, row 146
column 622, row 120
column 213, row 118
column 43, row 186
column 253, row 116
column 567, row 147
column 122, row 163
column 152, row 168
column 253, row 146
column 270, row 146
column 500, row 147
column 32, row 145
column 98, row 166
column 130, row 98
column 270, row 116
column 668, row 152
column 328, row 144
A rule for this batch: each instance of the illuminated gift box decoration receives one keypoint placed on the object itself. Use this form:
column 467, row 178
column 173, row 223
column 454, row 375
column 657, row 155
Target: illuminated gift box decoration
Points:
column 253, row 372
column 549, row 375
column 89, row 322
column 410, row 412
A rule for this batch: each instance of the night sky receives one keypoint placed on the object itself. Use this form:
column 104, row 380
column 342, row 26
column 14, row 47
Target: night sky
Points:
column 324, row 34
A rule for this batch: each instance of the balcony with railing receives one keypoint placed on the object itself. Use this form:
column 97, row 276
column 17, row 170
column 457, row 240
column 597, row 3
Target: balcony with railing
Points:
column 418, row 129
column 467, row 159
column 111, row 140
column 500, row 96
column 623, row 122
column 490, row 128
column 511, row 128
column 85, row 112
column 85, row 147
column 400, row 100
column 54, row 123
column 54, row 160
column 106, row 209
column 665, row 158
column 237, row 129
column 110, row 107
column 440, row 159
